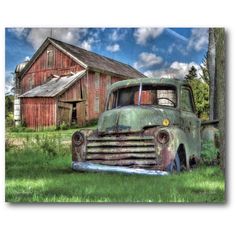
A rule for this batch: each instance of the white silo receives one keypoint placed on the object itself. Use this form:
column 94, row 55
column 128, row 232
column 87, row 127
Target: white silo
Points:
column 17, row 112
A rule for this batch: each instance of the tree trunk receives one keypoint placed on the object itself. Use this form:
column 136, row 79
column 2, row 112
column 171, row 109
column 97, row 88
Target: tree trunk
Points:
column 216, row 66
column 211, row 55
column 219, row 35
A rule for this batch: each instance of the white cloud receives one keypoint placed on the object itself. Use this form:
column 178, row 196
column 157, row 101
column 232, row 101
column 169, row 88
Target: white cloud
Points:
column 171, row 48
column 87, row 44
column 176, row 70
column 183, row 68
column 143, row 34
column 113, row 48
column 36, row 36
column 118, row 34
column 146, row 60
column 27, row 58
column 177, row 47
column 9, row 81
column 19, row 32
column 198, row 39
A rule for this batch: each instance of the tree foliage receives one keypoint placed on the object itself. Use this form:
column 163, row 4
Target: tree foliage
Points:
column 9, row 108
column 192, row 74
column 9, row 104
column 204, row 70
column 200, row 91
column 201, row 97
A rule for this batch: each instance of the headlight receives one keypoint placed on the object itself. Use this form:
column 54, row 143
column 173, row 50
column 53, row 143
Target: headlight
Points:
column 166, row 122
column 163, row 137
column 77, row 138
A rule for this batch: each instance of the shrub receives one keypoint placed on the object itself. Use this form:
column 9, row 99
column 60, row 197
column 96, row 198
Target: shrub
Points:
column 90, row 123
column 8, row 144
column 50, row 146
column 20, row 128
column 63, row 126
column 9, row 119
column 209, row 153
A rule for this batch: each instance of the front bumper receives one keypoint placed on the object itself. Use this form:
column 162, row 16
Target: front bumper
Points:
column 92, row 167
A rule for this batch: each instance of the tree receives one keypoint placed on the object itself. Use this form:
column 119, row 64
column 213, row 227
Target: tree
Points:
column 9, row 107
column 211, row 54
column 192, row 74
column 9, row 104
column 204, row 70
column 216, row 65
column 200, row 92
column 219, row 35
column 201, row 97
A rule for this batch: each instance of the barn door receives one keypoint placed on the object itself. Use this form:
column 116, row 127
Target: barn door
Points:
column 64, row 113
column 80, row 106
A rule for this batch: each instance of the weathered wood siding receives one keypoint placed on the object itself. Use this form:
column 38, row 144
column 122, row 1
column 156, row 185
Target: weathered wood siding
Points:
column 97, row 87
column 40, row 71
column 81, row 113
column 38, row 112
column 75, row 93
column 64, row 113
column 90, row 91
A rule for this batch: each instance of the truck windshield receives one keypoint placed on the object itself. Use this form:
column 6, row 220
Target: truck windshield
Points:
column 146, row 95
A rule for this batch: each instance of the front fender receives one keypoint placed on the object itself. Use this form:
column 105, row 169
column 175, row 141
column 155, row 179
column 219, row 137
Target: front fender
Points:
column 79, row 149
column 168, row 151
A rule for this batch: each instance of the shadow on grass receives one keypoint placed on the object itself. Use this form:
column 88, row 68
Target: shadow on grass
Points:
column 39, row 178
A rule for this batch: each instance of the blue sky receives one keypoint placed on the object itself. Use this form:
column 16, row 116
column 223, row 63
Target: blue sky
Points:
column 157, row 52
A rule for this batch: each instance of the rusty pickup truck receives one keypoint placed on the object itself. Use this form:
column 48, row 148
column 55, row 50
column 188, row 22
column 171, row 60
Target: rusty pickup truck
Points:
column 149, row 126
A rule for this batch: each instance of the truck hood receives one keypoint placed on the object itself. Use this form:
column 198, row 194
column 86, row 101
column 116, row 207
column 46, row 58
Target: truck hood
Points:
column 134, row 119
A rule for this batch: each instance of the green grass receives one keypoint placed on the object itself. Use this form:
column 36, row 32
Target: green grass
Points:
column 64, row 133
column 35, row 175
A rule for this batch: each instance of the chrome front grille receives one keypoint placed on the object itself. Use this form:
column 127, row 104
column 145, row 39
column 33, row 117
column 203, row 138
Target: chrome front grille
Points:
column 134, row 151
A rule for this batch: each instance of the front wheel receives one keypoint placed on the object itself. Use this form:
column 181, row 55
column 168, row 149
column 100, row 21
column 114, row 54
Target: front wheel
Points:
column 174, row 166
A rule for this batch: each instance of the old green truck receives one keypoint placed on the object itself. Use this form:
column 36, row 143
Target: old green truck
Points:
column 149, row 126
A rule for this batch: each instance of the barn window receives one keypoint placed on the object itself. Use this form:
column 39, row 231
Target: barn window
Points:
column 97, row 78
column 50, row 58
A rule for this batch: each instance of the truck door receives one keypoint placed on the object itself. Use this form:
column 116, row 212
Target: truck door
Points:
column 189, row 121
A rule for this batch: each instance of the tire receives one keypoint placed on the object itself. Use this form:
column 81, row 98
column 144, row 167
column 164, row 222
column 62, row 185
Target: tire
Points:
column 174, row 166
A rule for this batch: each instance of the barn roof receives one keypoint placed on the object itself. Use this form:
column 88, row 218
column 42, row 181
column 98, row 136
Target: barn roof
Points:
column 88, row 59
column 54, row 87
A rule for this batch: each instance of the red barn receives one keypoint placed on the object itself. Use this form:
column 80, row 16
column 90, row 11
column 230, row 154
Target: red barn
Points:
column 63, row 83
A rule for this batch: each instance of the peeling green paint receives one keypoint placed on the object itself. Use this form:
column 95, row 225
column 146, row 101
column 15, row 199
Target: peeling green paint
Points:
column 136, row 136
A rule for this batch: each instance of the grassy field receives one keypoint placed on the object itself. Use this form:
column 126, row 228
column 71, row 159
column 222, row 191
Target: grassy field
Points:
column 39, row 171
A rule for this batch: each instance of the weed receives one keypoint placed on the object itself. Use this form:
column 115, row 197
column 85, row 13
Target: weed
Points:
column 50, row 146
column 19, row 129
column 209, row 153
column 8, row 144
